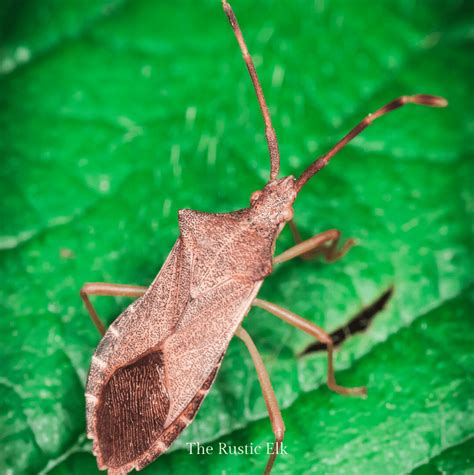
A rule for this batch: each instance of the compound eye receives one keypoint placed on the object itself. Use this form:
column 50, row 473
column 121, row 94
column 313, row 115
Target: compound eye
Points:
column 255, row 196
column 287, row 214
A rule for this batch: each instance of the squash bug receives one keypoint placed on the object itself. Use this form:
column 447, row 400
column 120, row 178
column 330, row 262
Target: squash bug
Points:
column 159, row 358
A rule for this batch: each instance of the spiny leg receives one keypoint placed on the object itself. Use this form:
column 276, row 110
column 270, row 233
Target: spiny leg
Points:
column 317, row 333
column 276, row 420
column 269, row 131
column 324, row 243
column 107, row 290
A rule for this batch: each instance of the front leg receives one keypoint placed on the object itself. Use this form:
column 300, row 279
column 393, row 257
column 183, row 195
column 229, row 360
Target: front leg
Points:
column 325, row 243
column 107, row 290
column 320, row 335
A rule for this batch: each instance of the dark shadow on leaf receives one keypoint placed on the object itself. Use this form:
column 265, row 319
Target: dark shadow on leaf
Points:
column 357, row 324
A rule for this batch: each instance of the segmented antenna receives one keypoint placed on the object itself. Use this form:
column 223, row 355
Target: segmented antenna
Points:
column 269, row 131
column 421, row 99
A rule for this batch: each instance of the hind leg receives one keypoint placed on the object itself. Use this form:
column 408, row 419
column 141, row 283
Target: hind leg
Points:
column 276, row 420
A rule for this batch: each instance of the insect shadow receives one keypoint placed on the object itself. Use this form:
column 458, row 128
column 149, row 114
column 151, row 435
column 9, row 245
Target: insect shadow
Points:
column 357, row 324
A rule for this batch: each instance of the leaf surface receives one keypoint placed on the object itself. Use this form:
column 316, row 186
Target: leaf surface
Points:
column 117, row 114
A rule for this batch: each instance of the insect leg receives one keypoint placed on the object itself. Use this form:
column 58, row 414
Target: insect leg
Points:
column 320, row 335
column 269, row 131
column 107, row 290
column 324, row 243
column 276, row 420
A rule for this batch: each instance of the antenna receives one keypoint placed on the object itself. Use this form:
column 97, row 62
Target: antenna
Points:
column 421, row 99
column 269, row 131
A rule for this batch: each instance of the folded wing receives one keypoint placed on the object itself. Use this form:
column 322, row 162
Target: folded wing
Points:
column 157, row 361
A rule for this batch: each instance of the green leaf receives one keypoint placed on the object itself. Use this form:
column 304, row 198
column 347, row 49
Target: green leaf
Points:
column 116, row 114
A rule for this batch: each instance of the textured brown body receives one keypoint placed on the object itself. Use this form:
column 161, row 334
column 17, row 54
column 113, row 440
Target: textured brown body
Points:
column 157, row 361
column 159, row 358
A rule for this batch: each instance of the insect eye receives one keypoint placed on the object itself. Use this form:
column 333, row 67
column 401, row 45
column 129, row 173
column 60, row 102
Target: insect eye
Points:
column 287, row 214
column 255, row 196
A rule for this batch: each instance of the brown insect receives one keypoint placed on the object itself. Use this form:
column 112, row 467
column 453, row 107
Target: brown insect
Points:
column 159, row 358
